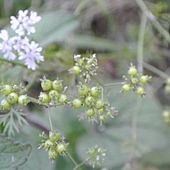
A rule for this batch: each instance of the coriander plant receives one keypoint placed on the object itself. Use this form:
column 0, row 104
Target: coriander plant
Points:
column 68, row 111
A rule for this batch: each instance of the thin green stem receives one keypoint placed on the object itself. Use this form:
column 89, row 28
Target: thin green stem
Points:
column 153, row 20
column 12, row 62
column 36, row 101
column 80, row 7
column 97, row 80
column 72, row 159
column 134, row 119
column 79, row 165
column 155, row 70
column 33, row 100
column 50, row 120
column 29, row 85
column 102, row 93
column 141, row 42
column 113, row 84
column 75, row 163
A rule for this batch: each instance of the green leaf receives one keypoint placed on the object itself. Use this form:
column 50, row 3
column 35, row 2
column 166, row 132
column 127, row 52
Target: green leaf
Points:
column 54, row 27
column 13, row 154
column 91, row 42
column 9, row 73
column 154, row 158
column 9, row 121
column 38, row 159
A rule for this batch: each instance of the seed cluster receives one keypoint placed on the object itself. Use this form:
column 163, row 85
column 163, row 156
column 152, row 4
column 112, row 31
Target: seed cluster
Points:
column 88, row 98
column 96, row 156
column 95, row 108
column 13, row 95
column 53, row 92
column 53, row 143
column 135, row 81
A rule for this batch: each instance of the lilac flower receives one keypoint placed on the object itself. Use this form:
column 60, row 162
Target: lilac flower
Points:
column 20, row 43
column 31, row 55
column 24, row 22
column 6, row 45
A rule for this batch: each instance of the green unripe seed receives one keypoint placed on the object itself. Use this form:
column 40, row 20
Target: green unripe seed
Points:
column 6, row 89
column 62, row 99
column 61, row 148
column 12, row 98
column 126, row 87
column 89, row 101
column 87, row 76
column 132, row 71
column 167, row 89
column 77, row 103
column 88, row 67
column 168, row 81
column 76, row 70
column 101, row 118
column 54, row 136
column 5, row 104
column 83, row 90
column 43, row 97
column 90, row 112
column 143, row 79
column 134, row 80
column 52, row 154
column 23, row 100
column 166, row 115
column 49, row 144
column 95, row 91
column 140, row 90
column 53, row 94
column 46, row 84
column 57, row 84
column 99, row 104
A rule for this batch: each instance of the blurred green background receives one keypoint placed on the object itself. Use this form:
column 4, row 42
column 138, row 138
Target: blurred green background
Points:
column 109, row 28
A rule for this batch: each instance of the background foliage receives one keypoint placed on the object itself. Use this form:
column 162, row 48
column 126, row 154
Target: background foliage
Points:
column 138, row 138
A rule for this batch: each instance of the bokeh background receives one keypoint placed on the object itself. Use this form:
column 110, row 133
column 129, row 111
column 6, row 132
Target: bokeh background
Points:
column 138, row 138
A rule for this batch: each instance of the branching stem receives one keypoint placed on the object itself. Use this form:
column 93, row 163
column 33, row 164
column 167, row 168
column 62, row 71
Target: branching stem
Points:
column 50, row 120
column 153, row 20
column 141, row 42
column 12, row 62
column 113, row 84
column 155, row 70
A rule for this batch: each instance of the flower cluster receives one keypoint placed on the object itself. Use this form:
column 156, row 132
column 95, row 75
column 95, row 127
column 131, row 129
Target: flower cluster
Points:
column 96, row 156
column 86, row 66
column 135, row 81
column 53, row 143
column 20, row 45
